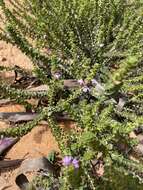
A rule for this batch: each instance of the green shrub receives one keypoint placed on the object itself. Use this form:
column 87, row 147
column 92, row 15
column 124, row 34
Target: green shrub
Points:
column 98, row 42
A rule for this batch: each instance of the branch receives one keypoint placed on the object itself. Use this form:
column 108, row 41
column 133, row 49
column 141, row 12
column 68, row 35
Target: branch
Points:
column 16, row 117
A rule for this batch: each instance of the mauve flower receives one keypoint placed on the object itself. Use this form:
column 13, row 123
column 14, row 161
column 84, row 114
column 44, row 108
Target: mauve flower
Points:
column 57, row 75
column 99, row 87
column 81, row 81
column 75, row 162
column 67, row 160
column 94, row 82
column 86, row 89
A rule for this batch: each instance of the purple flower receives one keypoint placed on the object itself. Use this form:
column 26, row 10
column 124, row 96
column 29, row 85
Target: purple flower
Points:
column 99, row 87
column 94, row 82
column 57, row 75
column 75, row 162
column 67, row 160
column 81, row 81
column 86, row 89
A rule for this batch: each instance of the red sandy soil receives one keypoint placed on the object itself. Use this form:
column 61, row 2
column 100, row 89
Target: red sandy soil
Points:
column 40, row 139
column 36, row 143
column 10, row 56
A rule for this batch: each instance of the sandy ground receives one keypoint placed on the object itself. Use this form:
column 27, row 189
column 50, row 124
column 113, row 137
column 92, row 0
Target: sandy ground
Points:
column 40, row 139
column 10, row 56
column 37, row 143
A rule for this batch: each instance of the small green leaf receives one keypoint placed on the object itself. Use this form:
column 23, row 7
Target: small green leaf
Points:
column 88, row 155
column 87, row 137
column 51, row 156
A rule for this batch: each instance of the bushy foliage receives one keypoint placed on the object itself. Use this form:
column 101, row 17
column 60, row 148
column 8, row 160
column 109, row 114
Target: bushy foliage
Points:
column 99, row 44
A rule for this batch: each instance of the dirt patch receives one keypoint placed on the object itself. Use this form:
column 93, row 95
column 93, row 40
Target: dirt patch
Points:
column 40, row 139
column 37, row 143
column 10, row 56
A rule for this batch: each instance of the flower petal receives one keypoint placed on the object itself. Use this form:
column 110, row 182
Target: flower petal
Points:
column 67, row 160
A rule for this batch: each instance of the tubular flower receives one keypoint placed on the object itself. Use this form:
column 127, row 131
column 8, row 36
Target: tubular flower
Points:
column 69, row 160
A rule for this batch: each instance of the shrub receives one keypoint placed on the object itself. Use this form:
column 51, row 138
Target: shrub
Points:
column 97, row 44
